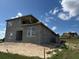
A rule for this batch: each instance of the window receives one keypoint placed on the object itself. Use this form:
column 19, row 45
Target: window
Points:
column 28, row 20
column 10, row 35
column 25, row 21
column 31, row 32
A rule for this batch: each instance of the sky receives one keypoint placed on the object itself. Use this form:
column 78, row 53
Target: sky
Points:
column 59, row 15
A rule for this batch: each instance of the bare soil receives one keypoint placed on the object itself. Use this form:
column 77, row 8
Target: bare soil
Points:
column 27, row 49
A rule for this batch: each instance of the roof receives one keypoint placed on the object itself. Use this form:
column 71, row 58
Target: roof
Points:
column 20, row 17
column 35, row 19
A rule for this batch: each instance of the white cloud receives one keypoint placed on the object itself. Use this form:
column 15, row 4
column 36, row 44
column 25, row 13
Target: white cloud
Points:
column 19, row 14
column 2, row 34
column 53, row 12
column 73, row 31
column 70, row 6
column 47, row 19
column 63, row 16
column 54, row 28
column 46, row 24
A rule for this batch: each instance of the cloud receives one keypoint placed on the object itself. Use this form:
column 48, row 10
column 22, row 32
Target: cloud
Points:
column 2, row 28
column 47, row 19
column 46, row 24
column 73, row 31
column 63, row 16
column 54, row 28
column 2, row 34
column 46, row 14
column 53, row 12
column 19, row 14
column 70, row 6
column 49, row 15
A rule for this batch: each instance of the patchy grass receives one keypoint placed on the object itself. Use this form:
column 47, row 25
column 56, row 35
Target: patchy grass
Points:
column 66, row 54
column 15, row 56
column 75, row 41
column 70, row 51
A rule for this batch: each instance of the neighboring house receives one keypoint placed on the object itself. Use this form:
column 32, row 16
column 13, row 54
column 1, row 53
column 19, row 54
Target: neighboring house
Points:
column 70, row 35
column 28, row 29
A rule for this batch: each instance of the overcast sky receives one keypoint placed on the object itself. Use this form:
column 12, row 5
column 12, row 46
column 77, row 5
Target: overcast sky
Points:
column 59, row 15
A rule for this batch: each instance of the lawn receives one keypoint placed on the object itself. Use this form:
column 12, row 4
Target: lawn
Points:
column 15, row 56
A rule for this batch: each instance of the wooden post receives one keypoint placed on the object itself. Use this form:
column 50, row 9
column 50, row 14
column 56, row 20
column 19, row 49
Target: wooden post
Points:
column 44, row 54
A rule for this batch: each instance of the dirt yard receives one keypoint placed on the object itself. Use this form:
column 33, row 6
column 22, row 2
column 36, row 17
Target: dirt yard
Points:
column 26, row 49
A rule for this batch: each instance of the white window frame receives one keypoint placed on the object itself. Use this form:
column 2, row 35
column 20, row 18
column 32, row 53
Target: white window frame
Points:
column 31, row 32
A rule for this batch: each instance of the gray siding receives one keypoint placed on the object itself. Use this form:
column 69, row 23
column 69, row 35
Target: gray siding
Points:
column 43, row 35
column 47, row 35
